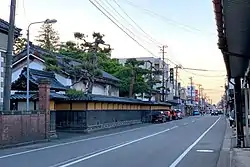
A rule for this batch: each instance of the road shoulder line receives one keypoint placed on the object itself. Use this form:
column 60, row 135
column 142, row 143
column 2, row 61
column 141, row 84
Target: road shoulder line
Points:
column 178, row 160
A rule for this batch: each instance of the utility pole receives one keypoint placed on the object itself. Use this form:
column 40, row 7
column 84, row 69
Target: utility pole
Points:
column 191, row 83
column 163, row 71
column 176, row 80
column 199, row 96
column 8, row 61
column 202, row 99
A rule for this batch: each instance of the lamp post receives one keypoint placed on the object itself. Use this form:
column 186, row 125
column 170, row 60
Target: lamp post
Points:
column 47, row 21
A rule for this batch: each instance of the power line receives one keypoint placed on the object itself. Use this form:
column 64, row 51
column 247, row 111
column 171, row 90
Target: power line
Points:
column 115, row 22
column 115, row 18
column 119, row 15
column 119, row 26
column 146, row 34
column 200, row 75
column 152, row 13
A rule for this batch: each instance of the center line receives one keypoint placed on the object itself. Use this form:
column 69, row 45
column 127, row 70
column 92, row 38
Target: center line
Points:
column 178, row 160
column 115, row 148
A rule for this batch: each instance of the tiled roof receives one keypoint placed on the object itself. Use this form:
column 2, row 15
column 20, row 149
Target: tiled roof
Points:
column 22, row 96
column 4, row 27
column 34, row 96
column 36, row 75
column 38, row 51
column 91, row 97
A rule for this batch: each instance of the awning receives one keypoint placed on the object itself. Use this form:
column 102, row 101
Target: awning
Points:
column 233, row 26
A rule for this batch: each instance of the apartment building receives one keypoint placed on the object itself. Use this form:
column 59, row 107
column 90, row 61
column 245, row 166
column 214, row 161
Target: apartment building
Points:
column 157, row 64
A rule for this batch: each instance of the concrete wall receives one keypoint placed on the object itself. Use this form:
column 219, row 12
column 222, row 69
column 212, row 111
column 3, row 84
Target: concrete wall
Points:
column 21, row 128
column 3, row 41
column 3, row 48
column 2, row 58
column 21, row 106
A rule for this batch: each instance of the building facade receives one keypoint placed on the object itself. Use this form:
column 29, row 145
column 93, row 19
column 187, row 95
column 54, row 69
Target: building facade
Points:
column 106, row 85
column 157, row 64
column 4, row 27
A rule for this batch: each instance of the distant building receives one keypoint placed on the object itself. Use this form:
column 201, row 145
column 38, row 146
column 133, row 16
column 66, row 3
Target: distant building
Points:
column 157, row 64
column 4, row 28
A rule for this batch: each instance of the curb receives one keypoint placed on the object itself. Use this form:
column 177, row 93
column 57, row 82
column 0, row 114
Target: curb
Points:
column 225, row 157
column 24, row 144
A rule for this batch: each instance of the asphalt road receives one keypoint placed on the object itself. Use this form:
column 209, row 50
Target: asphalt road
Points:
column 190, row 142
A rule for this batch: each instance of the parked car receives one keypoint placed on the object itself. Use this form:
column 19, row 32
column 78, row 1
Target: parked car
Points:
column 174, row 115
column 196, row 112
column 168, row 115
column 179, row 114
column 158, row 116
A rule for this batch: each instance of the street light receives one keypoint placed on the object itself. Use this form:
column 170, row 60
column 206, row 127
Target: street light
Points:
column 47, row 21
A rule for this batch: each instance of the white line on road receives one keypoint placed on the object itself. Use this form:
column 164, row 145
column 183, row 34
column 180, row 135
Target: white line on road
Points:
column 185, row 124
column 205, row 151
column 178, row 160
column 193, row 121
column 68, row 143
column 113, row 148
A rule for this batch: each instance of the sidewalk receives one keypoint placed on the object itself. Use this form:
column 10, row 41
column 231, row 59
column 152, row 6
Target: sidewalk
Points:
column 230, row 156
column 241, row 157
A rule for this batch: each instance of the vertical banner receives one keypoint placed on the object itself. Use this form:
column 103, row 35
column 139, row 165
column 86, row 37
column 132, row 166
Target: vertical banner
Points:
column 196, row 95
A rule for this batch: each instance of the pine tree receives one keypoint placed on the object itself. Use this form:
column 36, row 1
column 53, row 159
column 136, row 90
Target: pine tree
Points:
column 48, row 38
column 19, row 44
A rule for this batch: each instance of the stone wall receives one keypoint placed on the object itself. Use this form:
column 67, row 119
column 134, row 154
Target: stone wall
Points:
column 19, row 127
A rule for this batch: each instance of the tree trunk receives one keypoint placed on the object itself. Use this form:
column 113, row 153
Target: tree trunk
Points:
column 131, row 87
column 90, row 85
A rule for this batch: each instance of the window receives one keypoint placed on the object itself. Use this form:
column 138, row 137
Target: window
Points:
column 1, row 94
column 1, row 84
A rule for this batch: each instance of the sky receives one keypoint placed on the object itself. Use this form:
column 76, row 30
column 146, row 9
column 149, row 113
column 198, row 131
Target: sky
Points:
column 187, row 27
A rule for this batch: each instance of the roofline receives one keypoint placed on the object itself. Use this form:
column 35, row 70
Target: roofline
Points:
column 222, row 42
column 2, row 50
column 26, row 57
column 23, row 58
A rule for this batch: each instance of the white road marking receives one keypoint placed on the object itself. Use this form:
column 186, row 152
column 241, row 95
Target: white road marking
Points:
column 185, row 124
column 193, row 121
column 113, row 148
column 178, row 160
column 205, row 151
column 76, row 158
column 68, row 143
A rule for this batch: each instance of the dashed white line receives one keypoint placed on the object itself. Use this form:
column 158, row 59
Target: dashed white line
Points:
column 178, row 160
column 205, row 151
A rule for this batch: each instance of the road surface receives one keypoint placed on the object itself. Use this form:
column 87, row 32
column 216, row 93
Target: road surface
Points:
column 190, row 142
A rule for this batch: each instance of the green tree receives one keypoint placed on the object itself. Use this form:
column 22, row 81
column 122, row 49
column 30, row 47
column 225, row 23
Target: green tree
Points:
column 132, row 77
column 48, row 38
column 88, row 54
column 19, row 45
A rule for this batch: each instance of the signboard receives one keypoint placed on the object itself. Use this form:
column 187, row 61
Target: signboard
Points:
column 196, row 96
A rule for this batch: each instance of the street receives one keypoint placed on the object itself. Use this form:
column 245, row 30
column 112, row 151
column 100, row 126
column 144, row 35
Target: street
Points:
column 190, row 142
